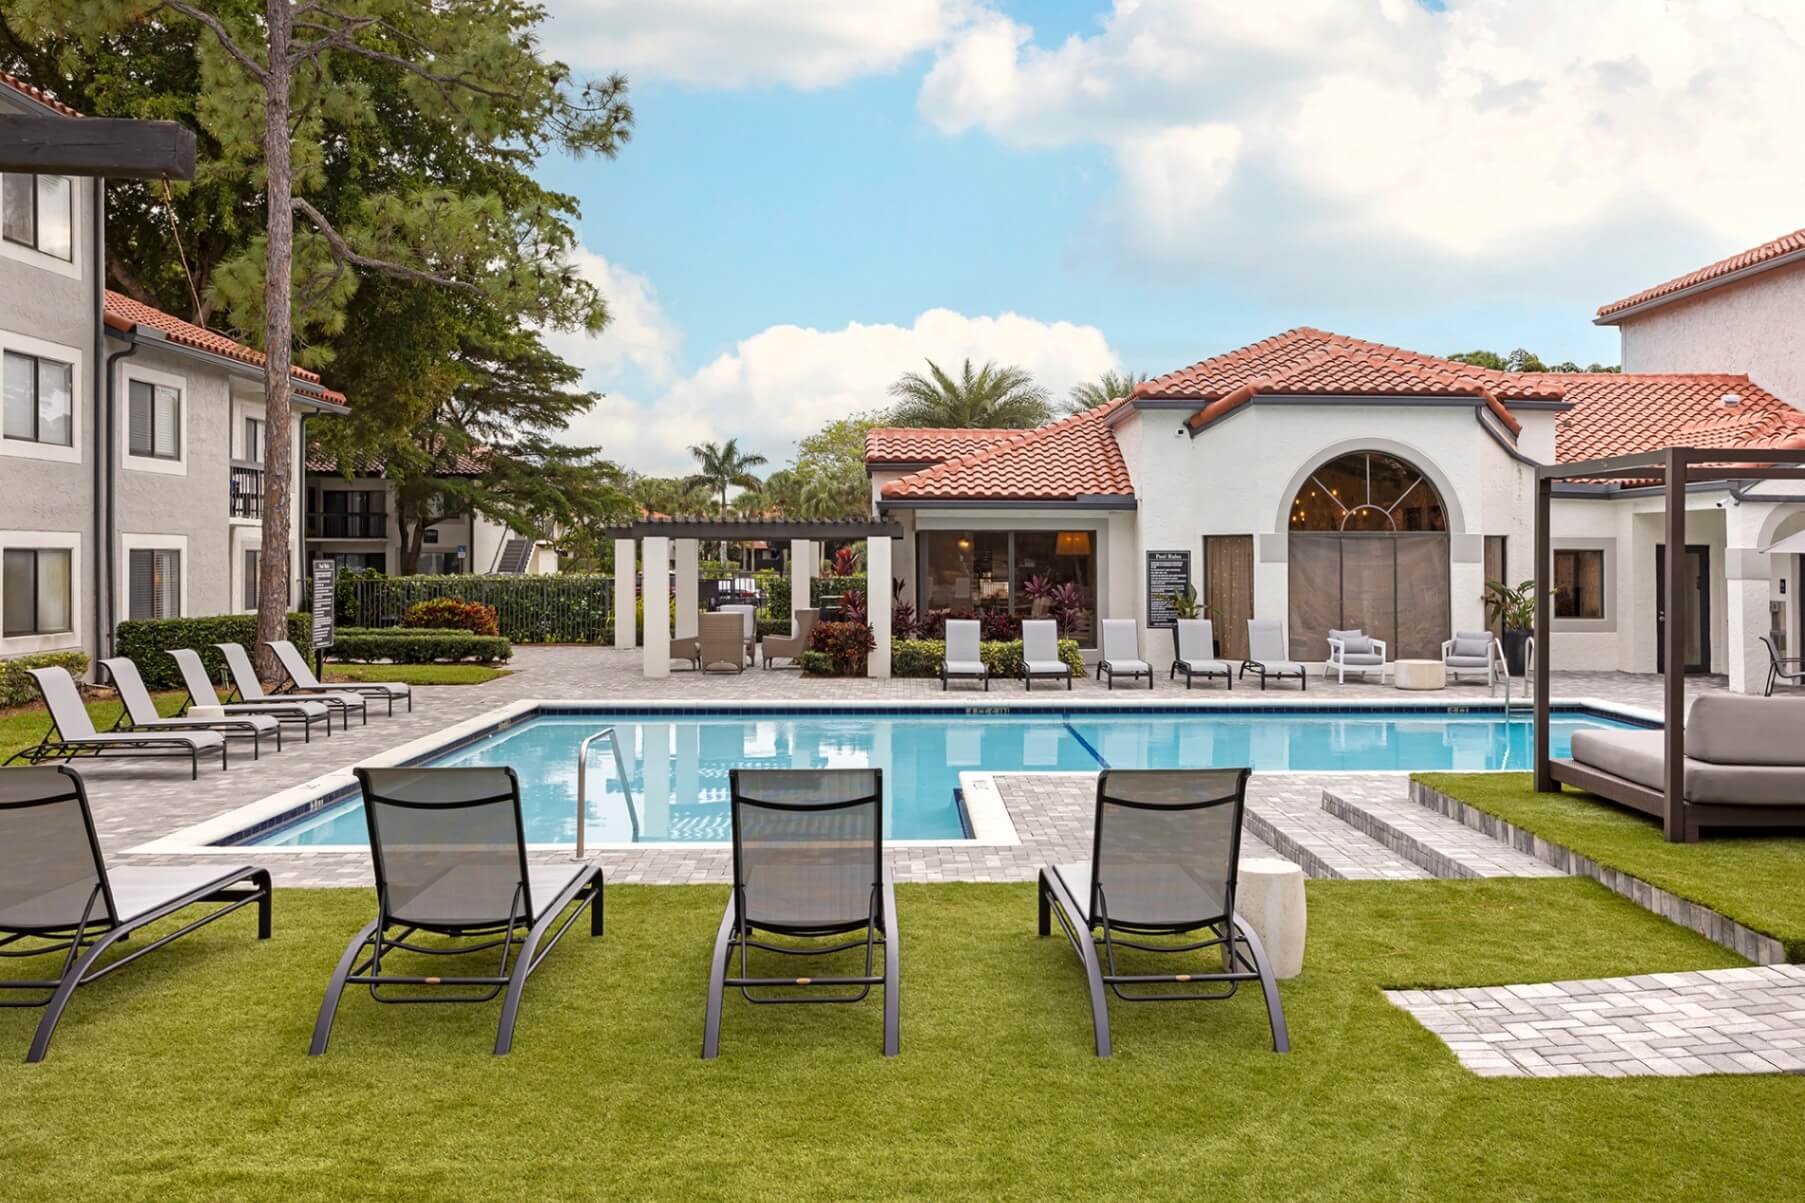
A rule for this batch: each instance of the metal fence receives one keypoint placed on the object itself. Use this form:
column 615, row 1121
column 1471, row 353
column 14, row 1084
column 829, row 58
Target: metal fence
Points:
column 530, row 609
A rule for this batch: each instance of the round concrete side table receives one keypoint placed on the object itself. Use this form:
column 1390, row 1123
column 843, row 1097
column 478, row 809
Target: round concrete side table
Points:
column 1420, row 674
column 1270, row 899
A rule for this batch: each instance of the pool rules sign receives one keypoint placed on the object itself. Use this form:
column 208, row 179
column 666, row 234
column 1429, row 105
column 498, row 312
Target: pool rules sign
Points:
column 1168, row 572
column 325, row 593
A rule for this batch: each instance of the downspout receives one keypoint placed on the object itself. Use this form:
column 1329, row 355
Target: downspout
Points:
column 97, row 231
column 112, row 559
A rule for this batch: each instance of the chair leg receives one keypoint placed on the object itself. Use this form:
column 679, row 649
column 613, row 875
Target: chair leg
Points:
column 1079, row 928
column 892, row 973
column 1275, row 1013
column 717, row 978
column 261, row 880
column 65, row 990
column 322, row 1027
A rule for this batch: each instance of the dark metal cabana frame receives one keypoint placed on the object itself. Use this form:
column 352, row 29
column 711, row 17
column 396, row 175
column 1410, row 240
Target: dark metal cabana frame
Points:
column 1674, row 468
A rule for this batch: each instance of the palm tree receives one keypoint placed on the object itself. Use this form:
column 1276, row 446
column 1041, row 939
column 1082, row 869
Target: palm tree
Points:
column 991, row 396
column 1101, row 391
column 724, row 466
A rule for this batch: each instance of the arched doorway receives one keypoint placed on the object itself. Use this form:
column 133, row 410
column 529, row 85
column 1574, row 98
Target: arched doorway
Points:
column 1369, row 549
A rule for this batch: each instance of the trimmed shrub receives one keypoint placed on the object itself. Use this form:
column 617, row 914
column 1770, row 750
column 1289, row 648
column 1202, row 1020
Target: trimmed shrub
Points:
column 146, row 642
column 922, row 657
column 16, row 686
column 845, row 644
column 817, row 664
column 417, row 646
column 452, row 613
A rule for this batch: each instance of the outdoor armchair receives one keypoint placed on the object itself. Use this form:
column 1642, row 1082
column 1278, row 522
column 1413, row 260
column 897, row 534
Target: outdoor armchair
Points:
column 58, row 896
column 141, row 712
column 201, row 693
column 302, row 681
column 1790, row 669
column 1165, row 851
column 1470, row 652
column 808, row 866
column 1121, row 652
column 688, row 647
column 1040, row 653
column 449, row 850
column 248, row 688
column 963, row 660
column 72, row 731
column 1268, row 656
column 1197, row 653
column 1354, row 651
column 790, row 646
column 748, row 626
column 722, row 640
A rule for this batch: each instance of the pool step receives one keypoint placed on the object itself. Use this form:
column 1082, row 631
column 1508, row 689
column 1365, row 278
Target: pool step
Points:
column 1324, row 845
column 1441, row 846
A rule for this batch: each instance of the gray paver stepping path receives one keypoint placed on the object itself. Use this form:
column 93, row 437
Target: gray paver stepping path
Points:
column 1285, row 811
column 1442, row 846
column 1714, row 1021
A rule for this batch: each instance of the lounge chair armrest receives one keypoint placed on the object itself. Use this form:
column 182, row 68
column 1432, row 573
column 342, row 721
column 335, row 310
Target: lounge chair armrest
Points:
column 1447, row 646
column 1380, row 646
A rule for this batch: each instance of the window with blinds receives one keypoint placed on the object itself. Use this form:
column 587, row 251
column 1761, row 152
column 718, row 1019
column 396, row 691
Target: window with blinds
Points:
column 155, row 583
column 38, row 211
column 155, row 420
column 39, row 396
column 250, row 580
column 35, row 591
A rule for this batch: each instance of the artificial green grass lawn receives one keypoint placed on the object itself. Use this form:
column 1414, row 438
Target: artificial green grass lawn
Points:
column 185, row 1076
column 1759, row 881
column 415, row 674
column 24, row 726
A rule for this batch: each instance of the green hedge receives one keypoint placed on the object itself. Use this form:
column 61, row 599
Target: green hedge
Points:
column 16, row 686
column 146, row 642
column 414, row 645
column 922, row 657
column 530, row 609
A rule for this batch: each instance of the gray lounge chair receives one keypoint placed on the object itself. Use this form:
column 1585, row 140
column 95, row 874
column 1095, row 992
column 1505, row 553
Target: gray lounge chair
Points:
column 1745, row 764
column 722, row 641
column 302, row 682
column 449, row 850
column 1470, row 652
column 201, row 693
column 1121, row 653
column 1040, row 653
column 248, row 688
column 72, row 731
column 1197, row 653
column 141, row 712
column 963, row 659
column 790, row 647
column 808, row 865
column 58, row 896
column 1790, row 669
column 1354, row 651
column 1165, row 854
column 1267, row 655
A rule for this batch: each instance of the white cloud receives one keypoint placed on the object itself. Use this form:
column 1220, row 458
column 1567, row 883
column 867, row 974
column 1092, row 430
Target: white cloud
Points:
column 1496, row 135
column 638, row 334
column 785, row 381
column 736, row 43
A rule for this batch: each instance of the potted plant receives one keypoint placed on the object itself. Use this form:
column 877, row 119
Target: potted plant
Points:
column 1514, row 608
column 1185, row 603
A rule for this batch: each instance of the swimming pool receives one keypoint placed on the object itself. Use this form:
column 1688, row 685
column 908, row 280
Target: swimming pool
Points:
column 678, row 761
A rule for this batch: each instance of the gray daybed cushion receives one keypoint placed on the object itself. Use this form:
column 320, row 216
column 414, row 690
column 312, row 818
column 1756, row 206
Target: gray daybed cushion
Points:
column 1740, row 751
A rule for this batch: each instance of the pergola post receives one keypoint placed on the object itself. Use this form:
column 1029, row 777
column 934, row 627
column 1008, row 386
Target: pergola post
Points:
column 658, row 607
column 625, row 552
column 877, row 603
column 802, row 577
column 1544, row 564
column 1673, row 640
column 689, row 588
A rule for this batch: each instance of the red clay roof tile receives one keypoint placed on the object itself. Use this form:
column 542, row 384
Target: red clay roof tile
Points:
column 125, row 314
column 927, row 445
column 38, row 94
column 1721, row 272
column 1072, row 458
column 1616, row 414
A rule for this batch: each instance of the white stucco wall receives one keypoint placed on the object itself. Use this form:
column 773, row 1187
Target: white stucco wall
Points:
column 1752, row 326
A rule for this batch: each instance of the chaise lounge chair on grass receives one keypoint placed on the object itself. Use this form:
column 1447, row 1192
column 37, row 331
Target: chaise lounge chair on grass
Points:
column 808, row 865
column 1040, row 653
column 302, row 682
column 790, row 647
column 72, row 731
column 1197, row 653
column 249, row 689
column 57, row 895
column 1745, row 764
column 201, row 693
column 1354, row 651
column 1470, row 652
column 1790, row 669
column 141, row 712
column 1267, row 655
column 449, row 850
column 963, row 660
column 1164, row 858
column 1121, row 653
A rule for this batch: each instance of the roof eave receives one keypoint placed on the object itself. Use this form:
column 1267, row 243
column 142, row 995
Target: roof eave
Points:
column 1737, row 275
column 305, row 391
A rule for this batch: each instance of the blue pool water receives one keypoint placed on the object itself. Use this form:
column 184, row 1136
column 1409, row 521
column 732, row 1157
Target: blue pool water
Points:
column 678, row 764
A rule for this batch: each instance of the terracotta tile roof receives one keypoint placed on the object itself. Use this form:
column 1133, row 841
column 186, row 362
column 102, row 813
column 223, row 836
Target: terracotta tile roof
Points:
column 1072, row 458
column 125, row 314
column 473, row 462
column 1619, row 414
column 927, row 445
column 1721, row 272
column 38, row 94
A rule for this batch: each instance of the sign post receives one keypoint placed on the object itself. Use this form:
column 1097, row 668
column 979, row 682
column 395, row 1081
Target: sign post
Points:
column 324, row 604
column 1168, row 572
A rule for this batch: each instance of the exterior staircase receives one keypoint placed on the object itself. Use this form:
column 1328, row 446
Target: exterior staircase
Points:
column 516, row 554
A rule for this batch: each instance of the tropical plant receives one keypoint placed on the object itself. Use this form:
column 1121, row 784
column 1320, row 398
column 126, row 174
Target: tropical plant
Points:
column 845, row 562
column 846, row 644
column 1089, row 394
column 1515, row 605
column 1068, row 603
column 1185, row 602
column 991, row 396
column 723, row 466
column 453, row 613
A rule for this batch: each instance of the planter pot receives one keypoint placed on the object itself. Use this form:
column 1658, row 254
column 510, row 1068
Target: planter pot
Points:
column 1516, row 646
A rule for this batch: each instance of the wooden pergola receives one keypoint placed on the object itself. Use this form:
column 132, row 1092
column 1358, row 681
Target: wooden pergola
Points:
column 1675, row 468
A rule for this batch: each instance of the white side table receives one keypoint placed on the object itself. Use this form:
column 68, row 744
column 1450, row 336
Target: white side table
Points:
column 1420, row 674
column 1270, row 899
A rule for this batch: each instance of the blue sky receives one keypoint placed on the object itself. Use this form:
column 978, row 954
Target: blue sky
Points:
column 1073, row 188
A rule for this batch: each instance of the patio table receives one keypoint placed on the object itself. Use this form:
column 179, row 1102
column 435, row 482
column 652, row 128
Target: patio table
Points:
column 1420, row 674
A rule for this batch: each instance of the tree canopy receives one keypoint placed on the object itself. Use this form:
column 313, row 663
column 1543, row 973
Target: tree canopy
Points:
column 1088, row 394
column 993, row 396
column 1523, row 360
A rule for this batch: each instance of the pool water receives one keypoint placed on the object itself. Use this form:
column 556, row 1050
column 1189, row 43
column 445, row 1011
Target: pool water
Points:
column 678, row 764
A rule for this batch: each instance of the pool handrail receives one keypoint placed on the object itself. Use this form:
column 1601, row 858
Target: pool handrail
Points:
column 620, row 769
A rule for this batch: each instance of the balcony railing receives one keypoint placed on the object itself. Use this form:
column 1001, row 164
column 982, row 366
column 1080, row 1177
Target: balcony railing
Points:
column 348, row 526
column 246, row 499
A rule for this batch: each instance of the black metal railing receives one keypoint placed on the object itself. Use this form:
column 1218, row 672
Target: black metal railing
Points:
column 246, row 499
column 348, row 526
column 529, row 609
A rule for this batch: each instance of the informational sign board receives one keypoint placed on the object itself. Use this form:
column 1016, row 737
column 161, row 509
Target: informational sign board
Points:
column 325, row 593
column 1168, row 572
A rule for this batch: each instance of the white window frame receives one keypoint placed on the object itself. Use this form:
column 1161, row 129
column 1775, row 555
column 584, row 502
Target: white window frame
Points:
column 129, row 543
column 243, row 542
column 35, row 540
column 24, row 344
column 78, row 251
column 145, row 463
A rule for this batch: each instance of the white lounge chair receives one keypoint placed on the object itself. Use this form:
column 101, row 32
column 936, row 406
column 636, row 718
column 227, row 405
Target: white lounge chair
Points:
column 201, row 693
column 1267, row 654
column 250, row 689
column 1197, row 653
column 963, row 660
column 1121, row 652
column 72, row 731
column 1354, row 651
column 302, row 681
column 1040, row 653
column 141, row 712
column 1471, row 652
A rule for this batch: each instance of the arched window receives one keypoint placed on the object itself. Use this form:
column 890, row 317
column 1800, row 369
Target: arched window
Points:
column 1367, row 491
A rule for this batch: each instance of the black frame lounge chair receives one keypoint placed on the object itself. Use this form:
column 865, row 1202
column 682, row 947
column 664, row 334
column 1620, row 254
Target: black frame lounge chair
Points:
column 1040, row 654
column 57, row 895
column 247, row 688
column 449, row 849
column 1164, row 859
column 1121, row 652
column 808, row 863
column 140, row 712
column 1197, row 653
column 201, row 693
column 962, row 659
column 1267, row 635
column 301, row 681
column 1790, row 669
column 72, row 731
